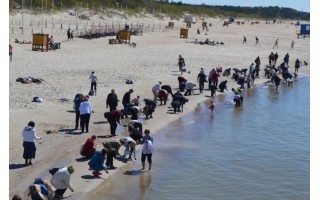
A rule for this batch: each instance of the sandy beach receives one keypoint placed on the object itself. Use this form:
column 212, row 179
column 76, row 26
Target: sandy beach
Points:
column 66, row 72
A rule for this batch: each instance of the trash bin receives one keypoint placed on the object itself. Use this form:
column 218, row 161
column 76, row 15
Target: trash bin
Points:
column 57, row 45
column 111, row 41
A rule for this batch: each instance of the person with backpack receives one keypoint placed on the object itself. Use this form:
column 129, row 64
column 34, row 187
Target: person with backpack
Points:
column 147, row 149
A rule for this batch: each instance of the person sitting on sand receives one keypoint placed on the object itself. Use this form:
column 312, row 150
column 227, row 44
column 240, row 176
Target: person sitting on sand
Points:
column 97, row 162
column 51, row 42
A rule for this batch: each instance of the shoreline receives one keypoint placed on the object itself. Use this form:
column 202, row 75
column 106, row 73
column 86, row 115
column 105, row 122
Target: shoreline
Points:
column 153, row 60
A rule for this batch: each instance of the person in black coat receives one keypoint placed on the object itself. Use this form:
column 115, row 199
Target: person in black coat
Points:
column 168, row 89
column 126, row 101
column 223, row 86
column 112, row 100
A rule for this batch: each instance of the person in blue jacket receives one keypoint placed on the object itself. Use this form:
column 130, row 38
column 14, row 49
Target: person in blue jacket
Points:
column 97, row 162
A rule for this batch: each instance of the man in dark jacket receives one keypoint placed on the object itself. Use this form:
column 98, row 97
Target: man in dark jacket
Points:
column 77, row 103
column 126, row 101
column 113, row 118
column 112, row 100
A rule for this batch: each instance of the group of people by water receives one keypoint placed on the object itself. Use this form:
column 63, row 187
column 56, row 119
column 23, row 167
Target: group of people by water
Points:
column 102, row 160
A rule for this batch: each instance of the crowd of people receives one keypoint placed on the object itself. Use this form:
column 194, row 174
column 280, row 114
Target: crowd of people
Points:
column 103, row 159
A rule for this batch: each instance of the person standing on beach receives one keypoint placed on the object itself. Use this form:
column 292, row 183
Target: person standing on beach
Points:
column 276, row 56
column 147, row 149
column 292, row 44
column 202, row 78
column 257, row 41
column 61, row 180
column 77, row 103
column 286, row 59
column 112, row 100
column 97, row 162
column 244, row 40
column 155, row 89
column 85, row 113
column 113, row 118
column 10, row 52
column 275, row 44
column 69, row 35
column 181, row 64
column 94, row 79
column 297, row 65
column 126, row 101
column 29, row 136
column 257, row 67
column 214, row 78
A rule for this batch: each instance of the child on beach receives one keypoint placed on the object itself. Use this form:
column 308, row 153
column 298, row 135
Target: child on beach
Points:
column 211, row 107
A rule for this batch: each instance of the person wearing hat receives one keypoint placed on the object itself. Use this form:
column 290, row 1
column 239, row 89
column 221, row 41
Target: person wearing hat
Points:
column 85, row 113
column 29, row 136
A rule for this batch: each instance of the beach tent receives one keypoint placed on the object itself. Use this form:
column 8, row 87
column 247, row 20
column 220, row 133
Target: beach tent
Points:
column 189, row 18
column 231, row 19
column 304, row 30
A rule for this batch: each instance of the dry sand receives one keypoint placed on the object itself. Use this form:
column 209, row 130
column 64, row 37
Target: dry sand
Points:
column 66, row 72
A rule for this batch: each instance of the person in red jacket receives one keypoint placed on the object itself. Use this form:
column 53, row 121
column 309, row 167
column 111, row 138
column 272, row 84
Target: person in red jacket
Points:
column 89, row 147
column 163, row 96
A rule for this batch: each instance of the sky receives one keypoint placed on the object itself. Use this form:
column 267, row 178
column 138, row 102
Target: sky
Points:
column 300, row 5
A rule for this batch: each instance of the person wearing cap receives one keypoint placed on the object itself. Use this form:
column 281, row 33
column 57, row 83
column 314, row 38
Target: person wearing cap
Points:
column 29, row 136
column 94, row 79
column 126, row 101
column 155, row 89
column 112, row 100
column 85, row 113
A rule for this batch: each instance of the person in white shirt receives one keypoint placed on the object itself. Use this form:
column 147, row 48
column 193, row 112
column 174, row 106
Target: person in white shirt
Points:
column 94, row 79
column 189, row 87
column 29, row 136
column 155, row 89
column 128, row 142
column 61, row 181
column 85, row 113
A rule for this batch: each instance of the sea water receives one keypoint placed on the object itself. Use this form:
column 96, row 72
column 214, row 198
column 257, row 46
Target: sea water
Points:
column 257, row 151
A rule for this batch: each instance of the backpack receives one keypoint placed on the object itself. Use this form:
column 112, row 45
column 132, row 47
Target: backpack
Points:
column 82, row 150
column 91, row 93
